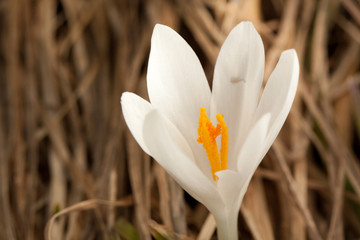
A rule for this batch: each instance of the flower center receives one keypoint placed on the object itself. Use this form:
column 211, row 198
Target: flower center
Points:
column 207, row 136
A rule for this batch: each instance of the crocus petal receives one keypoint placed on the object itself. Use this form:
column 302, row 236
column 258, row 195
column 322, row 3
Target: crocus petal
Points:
column 168, row 154
column 251, row 152
column 134, row 109
column 279, row 95
column 230, row 185
column 177, row 85
column 238, row 76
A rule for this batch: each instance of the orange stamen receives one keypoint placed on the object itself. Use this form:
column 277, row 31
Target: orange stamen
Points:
column 207, row 136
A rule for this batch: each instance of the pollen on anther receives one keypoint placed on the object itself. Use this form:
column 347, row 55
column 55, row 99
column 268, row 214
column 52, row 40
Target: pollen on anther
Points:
column 207, row 136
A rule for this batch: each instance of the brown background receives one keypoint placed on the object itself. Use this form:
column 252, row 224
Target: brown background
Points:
column 65, row 149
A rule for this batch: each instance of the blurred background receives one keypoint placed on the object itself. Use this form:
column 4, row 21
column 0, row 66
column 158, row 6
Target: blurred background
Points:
column 70, row 169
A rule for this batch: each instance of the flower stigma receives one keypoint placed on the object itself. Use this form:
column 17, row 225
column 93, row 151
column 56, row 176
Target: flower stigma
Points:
column 207, row 136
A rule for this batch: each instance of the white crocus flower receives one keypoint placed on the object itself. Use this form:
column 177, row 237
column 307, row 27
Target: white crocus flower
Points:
column 168, row 127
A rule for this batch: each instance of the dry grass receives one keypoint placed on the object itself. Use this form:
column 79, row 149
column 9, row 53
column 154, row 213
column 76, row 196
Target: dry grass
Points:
column 64, row 146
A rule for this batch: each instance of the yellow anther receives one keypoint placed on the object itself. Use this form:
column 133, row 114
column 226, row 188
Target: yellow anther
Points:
column 224, row 141
column 207, row 136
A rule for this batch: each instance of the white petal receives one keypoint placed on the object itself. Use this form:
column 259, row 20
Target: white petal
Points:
column 238, row 77
column 251, row 152
column 177, row 85
column 176, row 81
column 279, row 94
column 230, row 186
column 177, row 164
column 134, row 109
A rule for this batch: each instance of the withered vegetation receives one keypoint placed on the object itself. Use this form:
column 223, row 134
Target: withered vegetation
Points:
column 70, row 169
